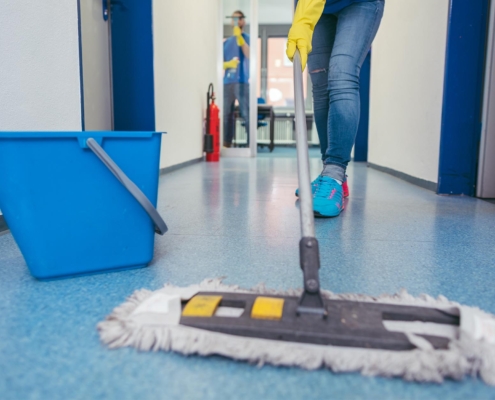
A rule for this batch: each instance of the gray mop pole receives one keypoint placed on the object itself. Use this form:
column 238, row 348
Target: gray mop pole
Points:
column 305, row 195
column 311, row 301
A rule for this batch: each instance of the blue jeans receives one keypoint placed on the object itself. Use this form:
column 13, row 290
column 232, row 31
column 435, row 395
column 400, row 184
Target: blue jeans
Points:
column 341, row 43
column 231, row 92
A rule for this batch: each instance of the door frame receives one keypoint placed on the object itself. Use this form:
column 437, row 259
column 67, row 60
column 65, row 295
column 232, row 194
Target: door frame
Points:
column 90, row 12
column 488, row 107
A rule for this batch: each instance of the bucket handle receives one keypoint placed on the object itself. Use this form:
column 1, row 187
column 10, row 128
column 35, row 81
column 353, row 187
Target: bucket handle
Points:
column 160, row 226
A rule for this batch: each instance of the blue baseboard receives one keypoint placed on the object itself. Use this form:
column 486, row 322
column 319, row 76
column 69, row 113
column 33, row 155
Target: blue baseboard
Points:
column 175, row 167
column 408, row 178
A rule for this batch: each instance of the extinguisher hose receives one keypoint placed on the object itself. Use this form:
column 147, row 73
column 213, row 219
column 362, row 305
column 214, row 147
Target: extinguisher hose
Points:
column 209, row 100
column 210, row 93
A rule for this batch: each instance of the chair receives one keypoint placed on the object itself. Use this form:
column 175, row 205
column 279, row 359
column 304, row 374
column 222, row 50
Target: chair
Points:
column 262, row 122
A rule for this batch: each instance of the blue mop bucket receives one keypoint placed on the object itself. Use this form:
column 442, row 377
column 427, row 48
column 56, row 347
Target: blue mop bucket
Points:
column 81, row 202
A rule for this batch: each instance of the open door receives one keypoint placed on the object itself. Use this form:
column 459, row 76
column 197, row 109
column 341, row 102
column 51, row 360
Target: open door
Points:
column 95, row 42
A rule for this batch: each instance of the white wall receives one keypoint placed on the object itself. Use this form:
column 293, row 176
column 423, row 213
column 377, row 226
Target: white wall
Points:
column 407, row 74
column 184, row 64
column 276, row 11
column 269, row 11
column 39, row 65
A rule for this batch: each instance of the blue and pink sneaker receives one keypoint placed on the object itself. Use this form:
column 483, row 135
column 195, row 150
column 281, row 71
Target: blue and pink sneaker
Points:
column 328, row 199
column 314, row 185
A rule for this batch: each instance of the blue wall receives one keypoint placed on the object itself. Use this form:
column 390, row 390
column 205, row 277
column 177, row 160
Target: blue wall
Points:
column 463, row 92
column 132, row 65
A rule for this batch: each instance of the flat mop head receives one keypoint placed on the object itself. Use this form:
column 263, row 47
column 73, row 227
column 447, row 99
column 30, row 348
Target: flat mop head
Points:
column 347, row 323
column 420, row 339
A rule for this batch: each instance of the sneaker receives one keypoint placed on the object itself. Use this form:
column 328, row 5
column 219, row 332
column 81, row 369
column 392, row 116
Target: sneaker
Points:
column 345, row 187
column 328, row 198
column 314, row 184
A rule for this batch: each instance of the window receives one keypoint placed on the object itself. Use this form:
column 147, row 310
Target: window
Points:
column 280, row 85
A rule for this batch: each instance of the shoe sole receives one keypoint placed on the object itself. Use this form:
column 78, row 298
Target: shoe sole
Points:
column 345, row 195
column 318, row 215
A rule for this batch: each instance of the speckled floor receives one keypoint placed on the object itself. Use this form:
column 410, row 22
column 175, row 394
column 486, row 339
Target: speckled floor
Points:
column 239, row 219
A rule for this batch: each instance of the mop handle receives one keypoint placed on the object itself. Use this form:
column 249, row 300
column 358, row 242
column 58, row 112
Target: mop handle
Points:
column 305, row 194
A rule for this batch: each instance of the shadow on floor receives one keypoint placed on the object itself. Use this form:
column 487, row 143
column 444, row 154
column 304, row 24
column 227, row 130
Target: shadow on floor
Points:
column 3, row 224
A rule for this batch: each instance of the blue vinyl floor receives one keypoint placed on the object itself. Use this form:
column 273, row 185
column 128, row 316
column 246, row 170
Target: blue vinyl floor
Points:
column 239, row 219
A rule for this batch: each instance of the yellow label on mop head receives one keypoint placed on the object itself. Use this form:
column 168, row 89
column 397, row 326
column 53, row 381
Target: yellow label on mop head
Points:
column 201, row 306
column 267, row 308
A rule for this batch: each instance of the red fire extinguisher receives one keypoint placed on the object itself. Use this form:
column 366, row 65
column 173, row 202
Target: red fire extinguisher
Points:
column 212, row 137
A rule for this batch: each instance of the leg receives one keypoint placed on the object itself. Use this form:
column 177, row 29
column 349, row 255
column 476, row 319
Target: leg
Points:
column 243, row 97
column 356, row 28
column 228, row 113
column 318, row 61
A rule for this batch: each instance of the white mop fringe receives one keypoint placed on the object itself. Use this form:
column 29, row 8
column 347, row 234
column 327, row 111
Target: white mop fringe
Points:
column 465, row 356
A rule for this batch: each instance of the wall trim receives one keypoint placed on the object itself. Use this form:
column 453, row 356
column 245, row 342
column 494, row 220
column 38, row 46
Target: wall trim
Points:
column 406, row 177
column 3, row 225
column 184, row 164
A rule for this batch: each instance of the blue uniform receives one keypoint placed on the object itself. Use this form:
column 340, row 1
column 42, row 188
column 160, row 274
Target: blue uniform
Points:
column 231, row 50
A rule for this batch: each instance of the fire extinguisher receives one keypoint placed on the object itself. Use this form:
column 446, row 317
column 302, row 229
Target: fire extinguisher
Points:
column 212, row 136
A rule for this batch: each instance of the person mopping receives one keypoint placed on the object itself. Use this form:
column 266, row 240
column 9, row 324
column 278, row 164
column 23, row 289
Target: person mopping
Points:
column 334, row 38
column 236, row 78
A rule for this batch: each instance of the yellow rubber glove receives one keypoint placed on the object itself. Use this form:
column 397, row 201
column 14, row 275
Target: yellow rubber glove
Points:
column 238, row 36
column 231, row 64
column 307, row 14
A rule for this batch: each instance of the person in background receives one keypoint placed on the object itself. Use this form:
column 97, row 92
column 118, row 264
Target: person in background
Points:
column 236, row 78
column 334, row 38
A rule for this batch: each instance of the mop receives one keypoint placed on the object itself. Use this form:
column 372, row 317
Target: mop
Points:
column 422, row 339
